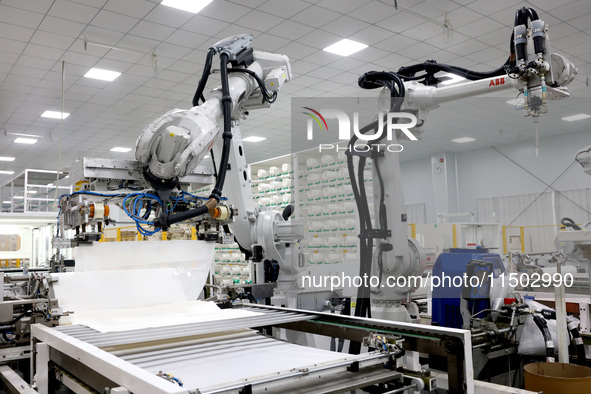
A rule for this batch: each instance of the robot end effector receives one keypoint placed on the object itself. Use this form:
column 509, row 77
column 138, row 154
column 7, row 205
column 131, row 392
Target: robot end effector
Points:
column 584, row 159
column 175, row 143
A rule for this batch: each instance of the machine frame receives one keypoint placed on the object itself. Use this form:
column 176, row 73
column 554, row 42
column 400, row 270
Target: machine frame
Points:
column 76, row 359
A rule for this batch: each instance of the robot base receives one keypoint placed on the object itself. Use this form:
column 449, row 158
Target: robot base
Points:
column 395, row 311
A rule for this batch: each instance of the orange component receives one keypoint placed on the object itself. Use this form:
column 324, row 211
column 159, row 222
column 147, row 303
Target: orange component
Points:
column 217, row 212
column 91, row 214
column 106, row 211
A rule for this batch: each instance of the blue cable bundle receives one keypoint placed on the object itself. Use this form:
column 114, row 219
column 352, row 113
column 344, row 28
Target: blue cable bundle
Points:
column 134, row 203
column 137, row 204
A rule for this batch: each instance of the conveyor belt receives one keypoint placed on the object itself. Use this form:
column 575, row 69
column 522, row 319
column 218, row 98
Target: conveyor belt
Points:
column 100, row 339
column 221, row 364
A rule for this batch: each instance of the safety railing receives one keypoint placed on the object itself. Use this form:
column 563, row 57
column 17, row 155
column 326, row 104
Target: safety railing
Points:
column 530, row 239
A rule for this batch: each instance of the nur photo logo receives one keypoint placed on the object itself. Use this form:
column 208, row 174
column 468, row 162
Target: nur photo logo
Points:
column 388, row 123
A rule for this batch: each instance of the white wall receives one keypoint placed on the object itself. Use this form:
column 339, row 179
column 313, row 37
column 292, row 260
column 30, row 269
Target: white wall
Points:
column 417, row 186
column 485, row 173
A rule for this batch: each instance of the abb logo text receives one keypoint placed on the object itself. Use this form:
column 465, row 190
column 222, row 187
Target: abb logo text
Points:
column 497, row 82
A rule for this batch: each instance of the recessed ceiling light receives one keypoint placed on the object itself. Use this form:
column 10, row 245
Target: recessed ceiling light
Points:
column 5, row 202
column 18, row 198
column 345, row 47
column 463, row 140
column 103, row 75
column 29, row 141
column 193, row 6
column 572, row 118
column 32, row 191
column 6, row 172
column 254, row 139
column 5, row 158
column 54, row 115
column 119, row 149
column 451, row 78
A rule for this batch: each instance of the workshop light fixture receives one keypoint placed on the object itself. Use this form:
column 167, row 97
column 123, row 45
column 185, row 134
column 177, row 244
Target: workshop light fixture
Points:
column 6, row 158
column 29, row 141
column 572, row 118
column 6, row 202
column 6, row 172
column 103, row 75
column 193, row 6
column 55, row 115
column 119, row 149
column 46, row 171
column 463, row 140
column 345, row 47
column 253, row 139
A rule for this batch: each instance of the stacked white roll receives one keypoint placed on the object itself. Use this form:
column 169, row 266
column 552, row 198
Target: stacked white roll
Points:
column 264, row 187
column 328, row 159
column 328, row 176
column 312, row 163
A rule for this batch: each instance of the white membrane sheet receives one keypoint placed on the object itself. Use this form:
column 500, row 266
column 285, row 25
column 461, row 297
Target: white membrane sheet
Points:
column 133, row 285
column 105, row 256
column 182, row 312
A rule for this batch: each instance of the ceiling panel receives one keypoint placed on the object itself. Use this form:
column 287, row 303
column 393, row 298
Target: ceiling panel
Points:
column 160, row 52
column 21, row 17
column 72, row 11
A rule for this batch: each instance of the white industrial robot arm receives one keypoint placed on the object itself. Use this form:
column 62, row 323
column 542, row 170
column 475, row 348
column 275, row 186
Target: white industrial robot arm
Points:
column 584, row 159
column 172, row 145
column 530, row 69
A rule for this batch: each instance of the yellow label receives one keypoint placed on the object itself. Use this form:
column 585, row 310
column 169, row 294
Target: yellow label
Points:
column 172, row 134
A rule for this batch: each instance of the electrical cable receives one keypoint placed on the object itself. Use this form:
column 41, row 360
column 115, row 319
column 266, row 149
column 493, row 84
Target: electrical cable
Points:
column 216, row 193
column 215, row 170
column 204, row 76
column 267, row 97
column 568, row 222
column 227, row 134
column 432, row 67
column 394, row 83
column 579, row 345
column 549, row 344
column 16, row 319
